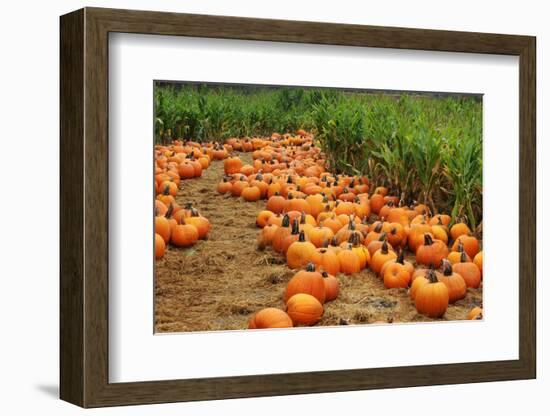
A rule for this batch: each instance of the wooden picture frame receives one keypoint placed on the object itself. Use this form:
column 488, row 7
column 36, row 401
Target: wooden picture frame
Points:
column 84, row 207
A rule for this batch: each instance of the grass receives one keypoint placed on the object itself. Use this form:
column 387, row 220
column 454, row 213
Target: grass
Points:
column 424, row 148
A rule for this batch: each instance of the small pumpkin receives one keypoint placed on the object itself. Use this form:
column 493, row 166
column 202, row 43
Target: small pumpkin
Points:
column 396, row 275
column 459, row 229
column 306, row 281
column 454, row 256
column 184, row 235
column 326, row 259
column 201, row 223
column 265, row 236
column 381, row 256
column 263, row 218
column 304, row 309
column 475, row 313
column 270, row 318
column 478, row 261
column 160, row 247
column 432, row 298
column 401, row 260
column 469, row 272
column 332, row 286
column 454, row 282
column 319, row 235
column 299, row 253
column 251, row 193
column 224, row 186
column 276, row 203
column 431, row 252
column 470, row 243
column 349, row 261
column 292, row 237
column 281, row 233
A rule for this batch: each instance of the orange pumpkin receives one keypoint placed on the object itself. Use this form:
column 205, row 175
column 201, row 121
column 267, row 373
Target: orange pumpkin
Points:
column 270, row 318
column 160, row 247
column 349, row 261
column 319, row 235
column 201, row 224
column 276, row 203
column 454, row 282
column 326, row 259
column 299, row 253
column 381, row 256
column 475, row 314
column 396, row 275
column 469, row 272
column 184, row 235
column 306, row 281
column 454, row 256
column 470, row 243
column 432, row 298
column 459, row 229
column 332, row 286
column 280, row 234
column 251, row 193
column 401, row 260
column 263, row 217
column 478, row 261
column 232, row 165
column 431, row 252
column 304, row 309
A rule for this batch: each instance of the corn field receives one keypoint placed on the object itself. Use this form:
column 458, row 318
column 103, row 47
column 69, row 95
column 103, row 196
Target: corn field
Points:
column 423, row 148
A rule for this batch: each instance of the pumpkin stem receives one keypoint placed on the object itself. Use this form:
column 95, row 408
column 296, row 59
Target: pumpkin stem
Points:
column 463, row 258
column 351, row 225
column 378, row 227
column 447, row 268
column 384, row 248
column 428, row 240
column 324, row 274
column 170, row 211
column 310, row 267
column 286, row 221
column 166, row 190
column 302, row 237
column 295, row 227
column 460, row 247
column 401, row 257
column 431, row 276
column 334, row 242
column 303, row 218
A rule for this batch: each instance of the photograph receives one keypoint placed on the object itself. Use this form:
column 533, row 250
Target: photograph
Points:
column 290, row 206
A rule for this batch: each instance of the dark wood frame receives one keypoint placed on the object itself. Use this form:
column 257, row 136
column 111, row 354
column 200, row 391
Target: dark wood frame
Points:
column 84, row 207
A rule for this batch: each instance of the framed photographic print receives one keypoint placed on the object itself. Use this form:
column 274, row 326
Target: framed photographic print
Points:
column 255, row 207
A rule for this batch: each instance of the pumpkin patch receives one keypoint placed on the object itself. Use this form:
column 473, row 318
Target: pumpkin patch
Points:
column 271, row 230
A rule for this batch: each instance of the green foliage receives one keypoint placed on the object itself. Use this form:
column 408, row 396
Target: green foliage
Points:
column 425, row 149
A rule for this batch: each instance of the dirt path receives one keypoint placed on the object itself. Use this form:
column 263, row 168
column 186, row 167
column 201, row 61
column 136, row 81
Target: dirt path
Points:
column 219, row 283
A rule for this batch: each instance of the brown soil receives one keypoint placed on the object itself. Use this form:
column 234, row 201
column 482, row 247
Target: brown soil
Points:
column 220, row 282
